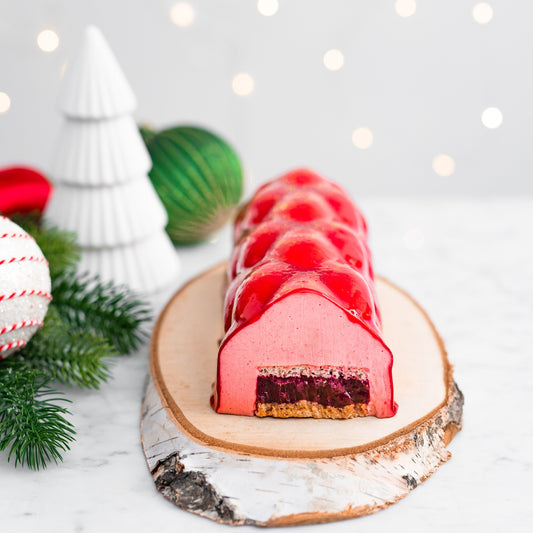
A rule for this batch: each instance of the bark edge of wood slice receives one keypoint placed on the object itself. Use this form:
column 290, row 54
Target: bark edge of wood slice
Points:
column 251, row 471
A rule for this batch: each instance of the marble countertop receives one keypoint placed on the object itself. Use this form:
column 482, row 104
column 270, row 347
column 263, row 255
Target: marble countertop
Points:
column 469, row 263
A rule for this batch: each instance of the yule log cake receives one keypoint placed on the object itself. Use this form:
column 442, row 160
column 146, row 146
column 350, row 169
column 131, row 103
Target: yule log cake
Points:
column 302, row 327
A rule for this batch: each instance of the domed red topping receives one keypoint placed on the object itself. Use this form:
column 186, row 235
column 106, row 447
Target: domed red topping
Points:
column 300, row 232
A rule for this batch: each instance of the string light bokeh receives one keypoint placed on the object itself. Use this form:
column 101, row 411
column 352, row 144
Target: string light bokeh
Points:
column 267, row 8
column 47, row 40
column 482, row 13
column 182, row 14
column 362, row 138
column 421, row 101
column 414, row 239
column 5, row 102
column 443, row 165
column 243, row 84
column 405, row 8
column 492, row 118
column 333, row 59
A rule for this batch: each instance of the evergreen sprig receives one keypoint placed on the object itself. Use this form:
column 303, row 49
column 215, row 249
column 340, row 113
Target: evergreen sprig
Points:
column 58, row 246
column 71, row 356
column 107, row 309
column 87, row 323
column 32, row 424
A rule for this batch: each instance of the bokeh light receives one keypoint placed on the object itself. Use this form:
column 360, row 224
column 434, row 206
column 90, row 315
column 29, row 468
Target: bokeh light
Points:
column 243, row 84
column 443, row 165
column 413, row 239
column 482, row 13
column 63, row 69
column 492, row 118
column 5, row 102
column 362, row 138
column 182, row 14
column 267, row 8
column 48, row 40
column 405, row 8
column 333, row 59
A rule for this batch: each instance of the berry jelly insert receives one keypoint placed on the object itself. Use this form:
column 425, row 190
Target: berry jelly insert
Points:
column 328, row 386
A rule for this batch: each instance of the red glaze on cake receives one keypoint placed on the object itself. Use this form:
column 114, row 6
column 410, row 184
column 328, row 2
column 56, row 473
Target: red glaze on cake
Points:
column 302, row 328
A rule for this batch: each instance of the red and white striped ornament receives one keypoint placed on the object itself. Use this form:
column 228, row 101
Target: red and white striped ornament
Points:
column 24, row 287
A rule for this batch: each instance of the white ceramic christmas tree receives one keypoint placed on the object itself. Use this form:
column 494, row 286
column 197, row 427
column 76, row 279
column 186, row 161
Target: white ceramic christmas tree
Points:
column 100, row 170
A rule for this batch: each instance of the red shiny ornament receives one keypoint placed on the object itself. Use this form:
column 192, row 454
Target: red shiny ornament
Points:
column 23, row 190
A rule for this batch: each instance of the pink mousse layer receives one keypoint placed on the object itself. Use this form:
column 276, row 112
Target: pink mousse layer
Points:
column 302, row 328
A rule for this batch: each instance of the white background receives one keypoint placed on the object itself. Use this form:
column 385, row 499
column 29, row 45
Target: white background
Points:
column 419, row 83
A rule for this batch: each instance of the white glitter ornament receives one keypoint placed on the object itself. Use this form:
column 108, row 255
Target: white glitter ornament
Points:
column 24, row 287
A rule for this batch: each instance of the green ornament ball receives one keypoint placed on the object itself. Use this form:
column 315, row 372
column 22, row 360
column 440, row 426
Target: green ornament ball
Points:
column 198, row 177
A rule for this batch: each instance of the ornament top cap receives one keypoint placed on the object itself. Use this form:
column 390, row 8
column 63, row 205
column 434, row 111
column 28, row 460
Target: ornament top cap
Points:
column 94, row 85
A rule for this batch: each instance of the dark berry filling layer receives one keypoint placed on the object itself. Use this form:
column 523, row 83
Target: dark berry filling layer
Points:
column 333, row 391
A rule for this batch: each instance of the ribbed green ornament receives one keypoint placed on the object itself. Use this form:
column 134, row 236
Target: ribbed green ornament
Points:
column 198, row 177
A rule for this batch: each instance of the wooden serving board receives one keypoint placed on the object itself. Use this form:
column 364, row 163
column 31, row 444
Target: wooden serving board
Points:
column 268, row 471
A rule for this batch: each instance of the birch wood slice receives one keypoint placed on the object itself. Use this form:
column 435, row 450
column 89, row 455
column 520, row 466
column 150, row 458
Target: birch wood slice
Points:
column 267, row 471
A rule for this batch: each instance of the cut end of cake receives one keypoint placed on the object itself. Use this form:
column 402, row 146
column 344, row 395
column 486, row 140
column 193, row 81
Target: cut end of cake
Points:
column 316, row 392
column 307, row 332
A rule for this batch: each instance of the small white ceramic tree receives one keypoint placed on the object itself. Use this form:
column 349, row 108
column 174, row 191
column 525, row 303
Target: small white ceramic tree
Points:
column 100, row 171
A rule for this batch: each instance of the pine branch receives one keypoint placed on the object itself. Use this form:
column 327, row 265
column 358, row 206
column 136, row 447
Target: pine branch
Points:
column 71, row 356
column 87, row 322
column 58, row 246
column 110, row 310
column 32, row 425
